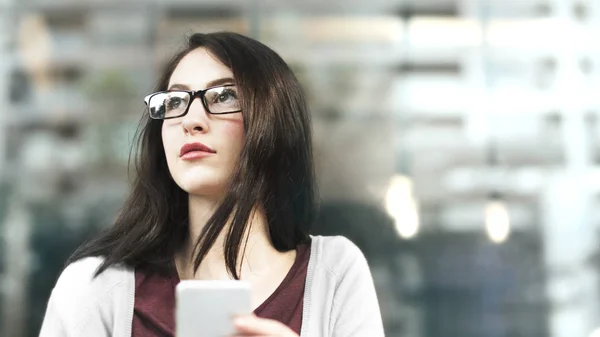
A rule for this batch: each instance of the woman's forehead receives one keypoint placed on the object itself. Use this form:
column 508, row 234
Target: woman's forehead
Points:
column 197, row 69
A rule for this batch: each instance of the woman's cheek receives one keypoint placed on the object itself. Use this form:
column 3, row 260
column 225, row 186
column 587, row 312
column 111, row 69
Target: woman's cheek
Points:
column 234, row 131
column 169, row 140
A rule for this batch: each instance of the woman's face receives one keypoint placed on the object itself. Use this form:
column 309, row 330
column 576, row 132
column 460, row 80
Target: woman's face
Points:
column 202, row 171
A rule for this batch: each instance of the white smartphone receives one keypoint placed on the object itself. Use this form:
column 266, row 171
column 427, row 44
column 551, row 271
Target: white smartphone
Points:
column 207, row 308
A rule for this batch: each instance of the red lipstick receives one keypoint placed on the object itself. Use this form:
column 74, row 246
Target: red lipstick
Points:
column 195, row 151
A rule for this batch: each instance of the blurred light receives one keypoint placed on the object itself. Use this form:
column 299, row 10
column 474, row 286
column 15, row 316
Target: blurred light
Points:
column 595, row 333
column 35, row 47
column 371, row 29
column 407, row 225
column 456, row 32
column 531, row 33
column 497, row 222
column 399, row 192
column 440, row 31
column 402, row 207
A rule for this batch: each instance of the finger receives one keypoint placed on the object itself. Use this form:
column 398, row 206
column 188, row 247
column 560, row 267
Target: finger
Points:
column 243, row 334
column 259, row 326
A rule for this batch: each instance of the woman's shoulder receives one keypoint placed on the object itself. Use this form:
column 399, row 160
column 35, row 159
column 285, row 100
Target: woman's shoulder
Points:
column 337, row 254
column 341, row 293
column 78, row 282
column 82, row 301
column 81, row 275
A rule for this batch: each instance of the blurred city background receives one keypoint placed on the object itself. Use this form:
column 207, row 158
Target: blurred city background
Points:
column 457, row 143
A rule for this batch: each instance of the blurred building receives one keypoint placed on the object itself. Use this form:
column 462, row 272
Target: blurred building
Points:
column 456, row 143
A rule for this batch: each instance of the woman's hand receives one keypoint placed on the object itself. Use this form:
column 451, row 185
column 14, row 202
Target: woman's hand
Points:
column 251, row 325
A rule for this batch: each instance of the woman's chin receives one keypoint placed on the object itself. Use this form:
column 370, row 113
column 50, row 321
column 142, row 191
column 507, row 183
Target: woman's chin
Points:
column 202, row 187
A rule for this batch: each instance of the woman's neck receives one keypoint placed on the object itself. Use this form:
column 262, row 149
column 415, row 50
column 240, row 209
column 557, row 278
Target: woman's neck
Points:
column 257, row 255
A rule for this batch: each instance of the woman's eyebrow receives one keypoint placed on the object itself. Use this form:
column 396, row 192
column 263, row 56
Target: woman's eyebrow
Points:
column 210, row 84
column 220, row 81
column 179, row 87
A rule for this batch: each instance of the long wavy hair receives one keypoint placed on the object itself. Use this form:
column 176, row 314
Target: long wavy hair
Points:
column 275, row 170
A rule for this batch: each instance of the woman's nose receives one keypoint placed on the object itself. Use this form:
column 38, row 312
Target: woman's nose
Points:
column 195, row 121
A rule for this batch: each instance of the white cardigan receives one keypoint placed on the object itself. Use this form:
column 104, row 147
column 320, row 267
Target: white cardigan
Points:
column 339, row 297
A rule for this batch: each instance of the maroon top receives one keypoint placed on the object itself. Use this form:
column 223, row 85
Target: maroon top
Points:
column 154, row 307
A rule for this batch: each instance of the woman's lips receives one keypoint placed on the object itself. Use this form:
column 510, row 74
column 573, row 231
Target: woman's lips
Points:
column 195, row 155
column 194, row 151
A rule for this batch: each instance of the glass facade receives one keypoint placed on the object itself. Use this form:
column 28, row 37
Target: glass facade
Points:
column 456, row 144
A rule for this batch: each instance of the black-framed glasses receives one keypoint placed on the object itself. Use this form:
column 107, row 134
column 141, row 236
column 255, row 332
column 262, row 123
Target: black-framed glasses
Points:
column 176, row 103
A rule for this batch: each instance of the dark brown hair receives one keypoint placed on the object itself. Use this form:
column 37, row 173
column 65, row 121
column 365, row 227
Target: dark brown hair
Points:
column 274, row 171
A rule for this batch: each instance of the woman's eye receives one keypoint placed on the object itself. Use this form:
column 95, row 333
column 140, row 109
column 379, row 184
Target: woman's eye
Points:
column 174, row 103
column 226, row 96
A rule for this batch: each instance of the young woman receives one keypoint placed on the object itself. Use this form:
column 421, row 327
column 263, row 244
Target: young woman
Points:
column 224, row 190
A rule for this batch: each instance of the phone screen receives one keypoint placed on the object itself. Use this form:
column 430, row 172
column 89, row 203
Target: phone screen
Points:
column 206, row 308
